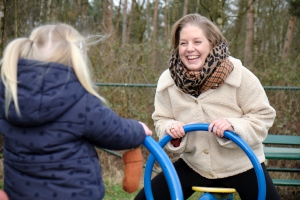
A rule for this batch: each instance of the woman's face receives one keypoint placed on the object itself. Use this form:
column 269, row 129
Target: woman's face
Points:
column 193, row 47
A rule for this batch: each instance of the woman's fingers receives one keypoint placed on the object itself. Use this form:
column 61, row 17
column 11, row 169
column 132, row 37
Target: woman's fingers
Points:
column 175, row 130
column 218, row 127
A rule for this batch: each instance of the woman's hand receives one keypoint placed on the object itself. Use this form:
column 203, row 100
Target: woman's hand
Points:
column 219, row 126
column 175, row 130
column 146, row 129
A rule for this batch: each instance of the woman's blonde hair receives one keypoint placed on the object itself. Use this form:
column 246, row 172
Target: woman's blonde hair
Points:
column 210, row 30
column 59, row 43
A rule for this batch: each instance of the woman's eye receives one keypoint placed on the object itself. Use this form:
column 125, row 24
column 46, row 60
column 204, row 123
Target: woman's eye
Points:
column 198, row 42
column 182, row 43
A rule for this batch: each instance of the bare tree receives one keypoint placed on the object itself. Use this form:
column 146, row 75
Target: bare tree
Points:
column 48, row 15
column 166, row 24
column 105, row 15
column 124, row 26
column 130, row 21
column 175, row 15
column 16, row 18
column 288, row 37
column 185, row 7
column 111, row 14
column 42, row 10
column 255, row 27
column 118, row 20
column 155, row 22
column 2, row 24
column 107, row 18
column 294, row 10
column 154, row 33
column 63, row 9
column 140, row 23
column 249, row 34
column 148, row 18
column 83, row 13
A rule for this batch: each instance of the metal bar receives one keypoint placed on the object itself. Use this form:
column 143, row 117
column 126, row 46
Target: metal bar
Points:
column 275, row 169
column 154, row 85
column 125, row 85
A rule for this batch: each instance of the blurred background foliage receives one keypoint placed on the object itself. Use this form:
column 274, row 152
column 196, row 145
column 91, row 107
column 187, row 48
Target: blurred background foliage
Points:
column 263, row 34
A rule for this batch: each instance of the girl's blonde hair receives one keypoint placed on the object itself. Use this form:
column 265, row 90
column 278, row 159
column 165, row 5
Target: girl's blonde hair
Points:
column 210, row 30
column 59, row 43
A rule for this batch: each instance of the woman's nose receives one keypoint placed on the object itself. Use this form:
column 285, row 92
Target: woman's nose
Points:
column 190, row 47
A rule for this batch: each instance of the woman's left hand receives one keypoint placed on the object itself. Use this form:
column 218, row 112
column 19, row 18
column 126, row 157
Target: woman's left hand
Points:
column 175, row 130
column 219, row 126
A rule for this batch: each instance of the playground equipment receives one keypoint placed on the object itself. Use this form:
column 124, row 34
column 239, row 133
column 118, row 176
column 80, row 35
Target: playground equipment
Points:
column 158, row 154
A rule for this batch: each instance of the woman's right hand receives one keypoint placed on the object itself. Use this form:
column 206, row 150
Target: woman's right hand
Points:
column 175, row 130
column 146, row 129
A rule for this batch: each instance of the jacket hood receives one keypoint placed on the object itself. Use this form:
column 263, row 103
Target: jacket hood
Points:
column 45, row 92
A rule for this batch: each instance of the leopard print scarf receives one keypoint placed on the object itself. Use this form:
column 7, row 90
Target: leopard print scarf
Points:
column 211, row 76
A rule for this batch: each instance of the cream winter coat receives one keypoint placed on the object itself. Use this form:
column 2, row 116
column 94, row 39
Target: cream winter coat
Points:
column 241, row 100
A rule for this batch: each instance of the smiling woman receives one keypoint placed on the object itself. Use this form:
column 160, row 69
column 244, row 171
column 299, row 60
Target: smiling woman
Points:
column 205, row 84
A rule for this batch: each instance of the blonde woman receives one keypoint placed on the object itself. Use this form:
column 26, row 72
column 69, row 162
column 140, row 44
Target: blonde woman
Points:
column 204, row 84
column 51, row 117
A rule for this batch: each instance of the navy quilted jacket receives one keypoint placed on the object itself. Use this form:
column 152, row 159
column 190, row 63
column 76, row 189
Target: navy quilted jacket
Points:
column 49, row 151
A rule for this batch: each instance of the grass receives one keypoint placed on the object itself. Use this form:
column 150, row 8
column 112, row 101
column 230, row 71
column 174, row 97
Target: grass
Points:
column 115, row 192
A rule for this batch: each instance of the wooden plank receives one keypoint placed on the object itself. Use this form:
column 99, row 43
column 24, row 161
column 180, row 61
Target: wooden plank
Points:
column 277, row 169
column 282, row 139
column 286, row 182
column 282, row 153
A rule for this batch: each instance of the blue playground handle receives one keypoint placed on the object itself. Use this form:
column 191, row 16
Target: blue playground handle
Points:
column 170, row 172
column 167, row 167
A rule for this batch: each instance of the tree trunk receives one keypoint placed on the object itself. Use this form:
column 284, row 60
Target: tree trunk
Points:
column 49, row 3
column 185, row 7
column 16, row 18
column 175, row 14
column 108, row 15
column 148, row 19
column 198, row 4
column 105, row 15
column 63, row 10
column 249, row 34
column 288, row 37
column 141, row 23
column 118, row 21
column 255, row 27
column 83, row 13
column 111, row 14
column 155, row 22
column 124, row 26
column 42, row 12
column 2, row 24
column 130, row 21
column 154, row 33
column 166, row 24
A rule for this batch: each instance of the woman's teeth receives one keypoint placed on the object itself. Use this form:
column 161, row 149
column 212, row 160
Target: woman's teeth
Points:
column 192, row 57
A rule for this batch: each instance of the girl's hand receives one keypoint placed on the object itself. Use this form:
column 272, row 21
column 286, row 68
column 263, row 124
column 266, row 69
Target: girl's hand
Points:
column 146, row 129
column 175, row 130
column 219, row 126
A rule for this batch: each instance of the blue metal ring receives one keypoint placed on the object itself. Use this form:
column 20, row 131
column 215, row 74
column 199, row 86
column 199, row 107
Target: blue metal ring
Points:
column 167, row 167
column 170, row 173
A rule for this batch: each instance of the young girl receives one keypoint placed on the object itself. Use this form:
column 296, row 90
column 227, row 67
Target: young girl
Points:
column 204, row 84
column 51, row 117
